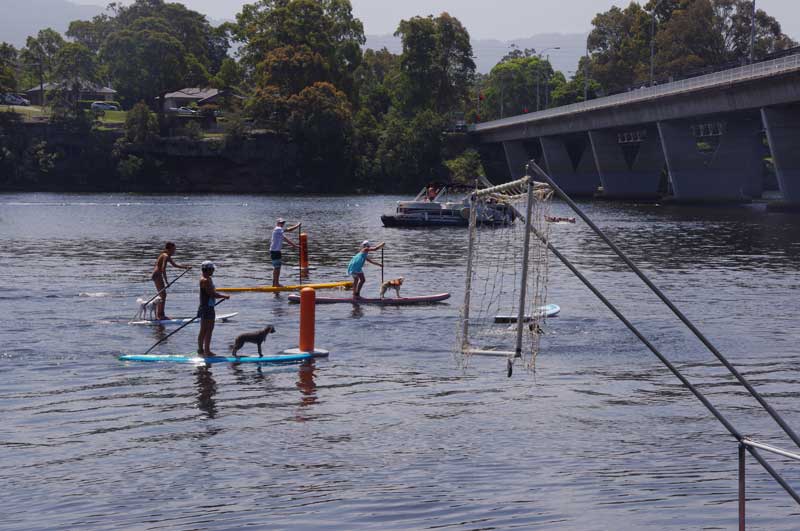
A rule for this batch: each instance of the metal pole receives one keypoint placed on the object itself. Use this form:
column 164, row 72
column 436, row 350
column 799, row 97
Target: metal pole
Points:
column 586, row 74
column 685, row 320
column 653, row 45
column 742, row 499
column 753, row 34
column 468, row 287
column 523, row 283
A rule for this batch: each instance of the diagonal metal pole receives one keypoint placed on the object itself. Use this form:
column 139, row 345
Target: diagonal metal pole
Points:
column 685, row 320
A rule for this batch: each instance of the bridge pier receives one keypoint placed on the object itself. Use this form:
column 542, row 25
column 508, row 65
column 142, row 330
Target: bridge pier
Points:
column 783, row 132
column 629, row 162
column 571, row 164
column 517, row 158
column 728, row 169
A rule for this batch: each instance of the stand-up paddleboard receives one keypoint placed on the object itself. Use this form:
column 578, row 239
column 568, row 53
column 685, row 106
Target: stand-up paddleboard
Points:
column 199, row 360
column 296, row 287
column 550, row 310
column 389, row 301
column 181, row 320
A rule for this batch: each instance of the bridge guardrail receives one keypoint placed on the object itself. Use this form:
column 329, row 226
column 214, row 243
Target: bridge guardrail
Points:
column 734, row 75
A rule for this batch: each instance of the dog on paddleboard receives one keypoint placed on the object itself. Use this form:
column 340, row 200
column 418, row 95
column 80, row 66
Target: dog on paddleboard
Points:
column 252, row 337
column 147, row 310
column 394, row 284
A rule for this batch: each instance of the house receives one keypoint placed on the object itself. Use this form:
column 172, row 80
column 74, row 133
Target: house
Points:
column 200, row 96
column 89, row 91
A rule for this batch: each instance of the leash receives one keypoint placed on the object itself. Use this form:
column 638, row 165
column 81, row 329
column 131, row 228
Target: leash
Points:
column 162, row 290
column 178, row 330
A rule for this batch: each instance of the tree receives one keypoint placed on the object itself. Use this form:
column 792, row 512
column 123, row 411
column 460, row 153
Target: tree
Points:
column 620, row 48
column 687, row 42
column 517, row 85
column 229, row 75
column 733, row 21
column 436, row 63
column 91, row 33
column 75, row 67
column 39, row 54
column 140, row 124
column 8, row 59
column 326, row 27
column 146, row 62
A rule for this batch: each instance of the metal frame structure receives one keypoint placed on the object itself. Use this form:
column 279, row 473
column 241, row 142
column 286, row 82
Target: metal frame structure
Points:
column 745, row 444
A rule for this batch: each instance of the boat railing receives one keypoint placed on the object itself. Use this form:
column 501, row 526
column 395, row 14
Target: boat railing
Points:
column 746, row 444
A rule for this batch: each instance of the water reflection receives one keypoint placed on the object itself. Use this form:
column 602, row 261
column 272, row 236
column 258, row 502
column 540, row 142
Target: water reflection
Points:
column 206, row 390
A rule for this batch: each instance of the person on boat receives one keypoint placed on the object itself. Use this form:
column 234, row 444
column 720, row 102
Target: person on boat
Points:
column 159, row 277
column 275, row 245
column 432, row 193
column 206, row 312
column 356, row 266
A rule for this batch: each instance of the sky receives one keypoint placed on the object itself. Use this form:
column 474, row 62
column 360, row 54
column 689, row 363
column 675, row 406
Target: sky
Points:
column 489, row 19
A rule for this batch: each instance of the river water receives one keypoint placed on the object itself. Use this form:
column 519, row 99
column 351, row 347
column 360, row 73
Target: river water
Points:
column 389, row 433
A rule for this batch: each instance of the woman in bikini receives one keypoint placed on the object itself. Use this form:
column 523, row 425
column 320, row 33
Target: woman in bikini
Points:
column 160, row 277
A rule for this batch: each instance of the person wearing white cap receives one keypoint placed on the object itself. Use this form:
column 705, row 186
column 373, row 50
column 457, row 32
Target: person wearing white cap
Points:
column 356, row 266
column 206, row 312
column 275, row 244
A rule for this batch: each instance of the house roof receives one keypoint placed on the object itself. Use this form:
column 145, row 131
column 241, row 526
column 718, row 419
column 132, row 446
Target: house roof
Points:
column 85, row 87
column 193, row 93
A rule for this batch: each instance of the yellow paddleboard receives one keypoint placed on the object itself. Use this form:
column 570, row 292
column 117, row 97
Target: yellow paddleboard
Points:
column 269, row 289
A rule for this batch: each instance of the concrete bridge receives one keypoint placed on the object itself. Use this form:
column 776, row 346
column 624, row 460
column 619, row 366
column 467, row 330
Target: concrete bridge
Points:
column 699, row 139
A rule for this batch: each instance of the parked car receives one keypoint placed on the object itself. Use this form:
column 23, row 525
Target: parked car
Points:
column 104, row 106
column 183, row 111
column 13, row 99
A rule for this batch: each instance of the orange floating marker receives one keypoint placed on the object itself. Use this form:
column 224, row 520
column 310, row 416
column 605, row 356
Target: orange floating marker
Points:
column 303, row 251
column 308, row 307
column 307, row 319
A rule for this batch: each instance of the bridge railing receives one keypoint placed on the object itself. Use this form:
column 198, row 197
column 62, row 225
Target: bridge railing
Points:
column 725, row 77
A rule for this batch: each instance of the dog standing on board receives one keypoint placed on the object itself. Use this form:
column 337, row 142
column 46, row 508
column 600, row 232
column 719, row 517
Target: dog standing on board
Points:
column 147, row 310
column 394, row 284
column 252, row 337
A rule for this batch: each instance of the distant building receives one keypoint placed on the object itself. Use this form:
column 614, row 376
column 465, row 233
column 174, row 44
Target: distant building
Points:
column 89, row 91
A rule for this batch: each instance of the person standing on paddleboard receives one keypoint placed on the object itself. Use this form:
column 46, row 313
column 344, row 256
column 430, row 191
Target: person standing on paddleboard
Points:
column 159, row 277
column 356, row 266
column 206, row 312
column 275, row 244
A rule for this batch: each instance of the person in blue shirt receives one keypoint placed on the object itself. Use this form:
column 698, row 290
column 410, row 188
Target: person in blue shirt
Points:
column 356, row 266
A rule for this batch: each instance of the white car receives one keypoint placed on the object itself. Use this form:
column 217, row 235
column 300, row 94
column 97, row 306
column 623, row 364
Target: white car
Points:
column 185, row 111
column 13, row 99
column 104, row 106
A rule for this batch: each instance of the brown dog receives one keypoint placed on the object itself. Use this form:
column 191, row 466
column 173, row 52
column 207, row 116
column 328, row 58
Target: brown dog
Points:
column 253, row 337
column 392, row 284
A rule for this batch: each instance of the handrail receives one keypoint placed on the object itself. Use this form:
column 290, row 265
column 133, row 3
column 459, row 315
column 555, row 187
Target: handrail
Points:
column 734, row 75
column 769, row 448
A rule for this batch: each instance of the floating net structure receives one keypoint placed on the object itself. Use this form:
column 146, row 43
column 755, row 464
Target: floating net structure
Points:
column 507, row 271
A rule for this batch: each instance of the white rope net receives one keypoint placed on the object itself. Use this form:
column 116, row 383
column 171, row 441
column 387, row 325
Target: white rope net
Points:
column 489, row 323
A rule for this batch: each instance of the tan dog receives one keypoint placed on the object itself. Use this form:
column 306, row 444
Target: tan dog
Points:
column 392, row 284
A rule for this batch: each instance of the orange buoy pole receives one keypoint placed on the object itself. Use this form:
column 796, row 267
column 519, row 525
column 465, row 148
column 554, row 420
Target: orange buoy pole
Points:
column 303, row 251
column 307, row 319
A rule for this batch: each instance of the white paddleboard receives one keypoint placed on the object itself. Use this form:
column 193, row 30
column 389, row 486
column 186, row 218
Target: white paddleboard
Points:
column 551, row 310
column 181, row 320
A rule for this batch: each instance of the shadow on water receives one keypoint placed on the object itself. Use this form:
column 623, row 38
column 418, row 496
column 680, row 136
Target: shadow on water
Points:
column 206, row 390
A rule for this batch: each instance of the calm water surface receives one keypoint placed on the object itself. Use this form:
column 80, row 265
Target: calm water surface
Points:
column 388, row 433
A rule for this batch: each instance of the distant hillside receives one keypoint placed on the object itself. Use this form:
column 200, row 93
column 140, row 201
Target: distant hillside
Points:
column 21, row 18
column 489, row 52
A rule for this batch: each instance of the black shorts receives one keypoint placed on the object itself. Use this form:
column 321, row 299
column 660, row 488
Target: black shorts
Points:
column 275, row 256
column 206, row 312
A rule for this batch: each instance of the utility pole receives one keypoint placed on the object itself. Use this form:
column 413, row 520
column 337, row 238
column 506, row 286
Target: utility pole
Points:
column 653, row 43
column 586, row 74
column 753, row 34
column 547, row 81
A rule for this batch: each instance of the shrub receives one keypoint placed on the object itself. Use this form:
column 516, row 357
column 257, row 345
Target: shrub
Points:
column 141, row 126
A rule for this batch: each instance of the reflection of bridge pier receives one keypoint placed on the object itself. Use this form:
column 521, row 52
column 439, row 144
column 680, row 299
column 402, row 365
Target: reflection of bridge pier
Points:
column 708, row 131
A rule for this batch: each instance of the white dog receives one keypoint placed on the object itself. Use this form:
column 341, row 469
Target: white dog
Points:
column 147, row 310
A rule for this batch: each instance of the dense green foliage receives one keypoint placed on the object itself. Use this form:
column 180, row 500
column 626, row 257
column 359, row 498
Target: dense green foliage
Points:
column 354, row 119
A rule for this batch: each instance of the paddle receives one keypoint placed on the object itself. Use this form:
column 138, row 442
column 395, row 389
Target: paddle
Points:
column 162, row 290
column 178, row 330
column 382, row 262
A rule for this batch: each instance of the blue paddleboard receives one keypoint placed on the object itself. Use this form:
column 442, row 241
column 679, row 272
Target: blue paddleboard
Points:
column 195, row 359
